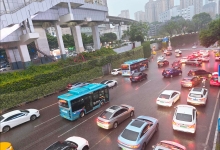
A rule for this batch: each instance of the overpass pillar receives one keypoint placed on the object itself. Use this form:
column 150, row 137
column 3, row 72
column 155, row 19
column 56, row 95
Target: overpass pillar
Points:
column 119, row 32
column 25, row 57
column 96, row 38
column 14, row 58
column 60, row 41
column 77, row 39
column 42, row 44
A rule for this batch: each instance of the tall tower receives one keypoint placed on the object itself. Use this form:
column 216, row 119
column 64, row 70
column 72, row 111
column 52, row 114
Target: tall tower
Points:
column 197, row 6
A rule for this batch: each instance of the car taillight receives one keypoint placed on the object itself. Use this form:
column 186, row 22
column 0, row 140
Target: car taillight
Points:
column 134, row 146
column 202, row 99
column 174, row 123
column 136, row 77
column 167, row 71
column 192, row 126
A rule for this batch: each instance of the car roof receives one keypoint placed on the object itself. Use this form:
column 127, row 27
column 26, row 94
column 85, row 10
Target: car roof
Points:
column 197, row 90
column 113, row 108
column 169, row 92
column 185, row 109
column 136, row 125
column 6, row 115
column 169, row 69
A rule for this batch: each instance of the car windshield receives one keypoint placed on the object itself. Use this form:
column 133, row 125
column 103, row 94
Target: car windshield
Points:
column 104, row 81
column 195, row 95
column 114, row 70
column 184, row 117
column 1, row 118
column 168, row 146
column 130, row 135
column 135, row 74
column 26, row 111
column 165, row 96
column 106, row 115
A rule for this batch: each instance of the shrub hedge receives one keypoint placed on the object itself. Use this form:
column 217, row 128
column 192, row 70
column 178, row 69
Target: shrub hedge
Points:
column 146, row 49
column 56, row 81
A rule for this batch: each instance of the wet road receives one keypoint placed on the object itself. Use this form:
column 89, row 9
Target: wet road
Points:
column 50, row 127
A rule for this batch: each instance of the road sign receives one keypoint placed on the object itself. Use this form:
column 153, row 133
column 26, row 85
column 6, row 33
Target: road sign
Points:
column 166, row 39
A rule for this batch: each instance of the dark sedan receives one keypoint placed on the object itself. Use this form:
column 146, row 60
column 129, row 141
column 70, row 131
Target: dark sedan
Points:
column 199, row 72
column 171, row 72
column 162, row 63
column 190, row 81
column 138, row 76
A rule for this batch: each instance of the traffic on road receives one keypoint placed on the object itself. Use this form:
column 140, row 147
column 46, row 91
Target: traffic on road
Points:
column 140, row 106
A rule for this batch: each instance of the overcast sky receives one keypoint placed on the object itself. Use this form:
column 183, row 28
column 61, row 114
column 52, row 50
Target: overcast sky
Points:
column 115, row 6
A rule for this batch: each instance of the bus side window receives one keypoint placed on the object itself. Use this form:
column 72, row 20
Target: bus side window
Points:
column 101, row 94
column 95, row 98
column 106, row 95
column 77, row 104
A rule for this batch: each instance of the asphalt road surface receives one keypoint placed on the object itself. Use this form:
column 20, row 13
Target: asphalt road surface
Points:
column 50, row 127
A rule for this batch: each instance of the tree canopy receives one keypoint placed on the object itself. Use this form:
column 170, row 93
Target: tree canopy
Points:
column 201, row 20
column 211, row 35
column 108, row 37
column 52, row 41
column 138, row 30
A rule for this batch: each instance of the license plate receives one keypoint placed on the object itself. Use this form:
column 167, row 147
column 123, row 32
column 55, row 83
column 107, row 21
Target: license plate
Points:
column 183, row 126
column 100, row 125
column 195, row 99
column 124, row 149
column 161, row 101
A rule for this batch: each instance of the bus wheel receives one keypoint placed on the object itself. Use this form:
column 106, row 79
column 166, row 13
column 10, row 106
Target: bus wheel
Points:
column 82, row 114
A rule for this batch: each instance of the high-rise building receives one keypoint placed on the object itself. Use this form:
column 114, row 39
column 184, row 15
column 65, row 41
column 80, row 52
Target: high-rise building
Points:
column 166, row 4
column 186, row 3
column 210, row 8
column 167, row 15
column 197, row 6
column 124, row 14
column 140, row 16
column 150, row 11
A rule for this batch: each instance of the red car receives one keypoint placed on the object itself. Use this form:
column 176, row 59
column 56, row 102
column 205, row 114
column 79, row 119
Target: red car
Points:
column 214, row 81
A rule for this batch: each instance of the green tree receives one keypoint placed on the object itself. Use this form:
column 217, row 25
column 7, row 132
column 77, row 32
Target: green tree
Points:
column 108, row 37
column 180, row 24
column 52, row 41
column 201, row 20
column 87, row 39
column 138, row 30
column 211, row 35
column 168, row 27
column 68, row 40
column 190, row 26
column 146, row 49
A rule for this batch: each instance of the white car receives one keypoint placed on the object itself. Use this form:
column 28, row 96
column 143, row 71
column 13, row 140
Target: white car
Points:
column 165, row 51
column 160, row 58
column 116, row 71
column 198, row 96
column 168, row 145
column 3, row 69
column 17, row 117
column 203, row 58
column 110, row 83
column 72, row 143
column 194, row 47
column 184, row 118
column 168, row 98
column 183, row 59
column 178, row 51
column 215, row 73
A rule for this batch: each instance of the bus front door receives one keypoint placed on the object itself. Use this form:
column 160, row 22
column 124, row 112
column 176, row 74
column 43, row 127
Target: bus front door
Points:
column 88, row 103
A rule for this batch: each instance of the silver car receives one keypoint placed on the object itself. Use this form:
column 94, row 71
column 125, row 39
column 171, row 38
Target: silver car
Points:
column 114, row 115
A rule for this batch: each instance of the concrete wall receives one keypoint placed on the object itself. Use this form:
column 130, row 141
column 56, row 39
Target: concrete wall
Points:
column 124, row 48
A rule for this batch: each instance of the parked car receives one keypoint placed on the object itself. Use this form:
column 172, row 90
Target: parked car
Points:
column 110, row 83
column 198, row 96
column 72, row 143
column 17, row 117
column 168, row 145
column 75, row 85
column 162, row 63
column 199, row 72
column 214, row 81
column 138, row 76
column 171, row 72
column 116, row 71
column 194, row 62
column 138, row 133
column 114, row 115
column 168, row 98
column 184, row 118
column 6, row 146
column 190, row 81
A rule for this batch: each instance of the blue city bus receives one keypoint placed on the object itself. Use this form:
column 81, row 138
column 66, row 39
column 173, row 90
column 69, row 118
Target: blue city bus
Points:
column 82, row 100
column 131, row 66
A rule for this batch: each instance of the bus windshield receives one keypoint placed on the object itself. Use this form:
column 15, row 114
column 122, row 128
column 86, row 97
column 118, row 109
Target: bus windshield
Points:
column 124, row 67
column 63, row 103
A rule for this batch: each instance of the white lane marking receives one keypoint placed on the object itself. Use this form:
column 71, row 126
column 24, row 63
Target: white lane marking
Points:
column 142, row 85
column 46, row 121
column 48, row 106
column 100, row 140
column 79, row 124
column 164, row 88
column 210, row 127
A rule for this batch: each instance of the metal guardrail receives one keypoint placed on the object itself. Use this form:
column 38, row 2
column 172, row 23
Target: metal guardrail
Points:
column 20, row 7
